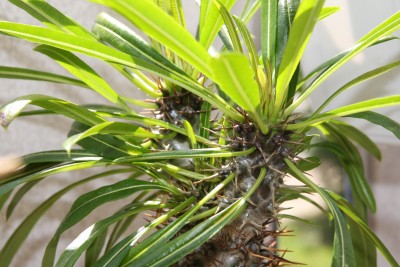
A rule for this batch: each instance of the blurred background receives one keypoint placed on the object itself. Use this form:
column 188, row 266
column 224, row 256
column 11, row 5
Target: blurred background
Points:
column 333, row 35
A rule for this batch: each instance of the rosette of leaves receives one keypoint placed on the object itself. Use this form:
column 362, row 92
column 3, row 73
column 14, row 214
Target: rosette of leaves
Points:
column 223, row 133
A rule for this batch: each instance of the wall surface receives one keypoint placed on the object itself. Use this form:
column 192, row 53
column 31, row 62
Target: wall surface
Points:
column 335, row 34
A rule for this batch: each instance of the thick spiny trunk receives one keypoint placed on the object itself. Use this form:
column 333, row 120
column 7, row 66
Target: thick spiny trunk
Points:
column 250, row 240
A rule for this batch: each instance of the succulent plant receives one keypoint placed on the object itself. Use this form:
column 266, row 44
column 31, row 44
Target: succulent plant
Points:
column 222, row 130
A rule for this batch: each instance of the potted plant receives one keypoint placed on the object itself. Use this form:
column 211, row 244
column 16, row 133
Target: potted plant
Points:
column 209, row 161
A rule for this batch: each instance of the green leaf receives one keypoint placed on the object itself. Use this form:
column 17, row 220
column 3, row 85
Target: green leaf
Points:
column 174, row 250
column 92, row 200
column 155, row 23
column 364, row 77
column 82, row 71
column 118, row 253
column 167, row 253
column 71, row 254
column 35, row 75
column 113, row 128
column 302, row 27
column 114, row 33
column 286, row 12
column 105, row 145
column 97, row 50
column 11, row 183
column 51, row 17
column 211, row 21
column 379, row 119
column 386, row 28
column 327, row 64
column 15, row 241
column 230, row 26
column 327, row 11
column 352, row 162
column 350, row 213
column 269, row 10
column 358, row 137
column 348, row 110
column 11, row 110
column 236, row 79
column 191, row 153
column 343, row 254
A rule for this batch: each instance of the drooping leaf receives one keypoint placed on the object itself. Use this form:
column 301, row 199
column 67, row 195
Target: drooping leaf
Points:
column 11, row 110
column 105, row 145
column 13, row 244
column 114, row 129
column 343, row 253
column 35, row 75
column 117, row 254
column 379, row 119
column 81, row 70
column 71, row 254
column 350, row 213
column 92, row 200
column 358, row 137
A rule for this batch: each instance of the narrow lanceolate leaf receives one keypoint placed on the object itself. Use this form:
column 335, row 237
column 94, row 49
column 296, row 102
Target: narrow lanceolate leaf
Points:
column 358, row 137
column 362, row 78
column 174, row 250
column 143, row 250
column 97, row 50
column 74, row 250
column 51, row 17
column 327, row 11
column 303, row 24
column 81, row 70
column 112, row 32
column 386, row 28
column 192, row 153
column 379, row 119
column 14, row 181
column 349, row 110
column 343, row 254
column 268, row 30
column 350, row 213
column 117, row 254
column 21, row 233
column 153, row 21
column 211, row 21
column 114, row 128
column 285, row 15
column 235, row 77
column 230, row 26
column 169, row 253
column 104, row 145
column 92, row 200
column 11, row 110
column 35, row 75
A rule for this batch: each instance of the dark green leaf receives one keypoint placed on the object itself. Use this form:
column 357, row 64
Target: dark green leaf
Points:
column 379, row 119
column 35, row 75
column 343, row 253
